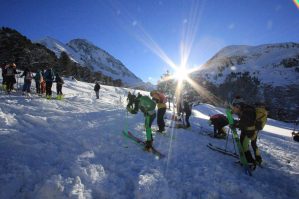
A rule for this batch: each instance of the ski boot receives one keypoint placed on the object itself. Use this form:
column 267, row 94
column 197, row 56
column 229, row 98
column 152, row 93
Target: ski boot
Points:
column 148, row 146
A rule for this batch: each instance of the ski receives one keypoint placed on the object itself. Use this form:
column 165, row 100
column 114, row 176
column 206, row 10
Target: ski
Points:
column 242, row 157
column 137, row 140
column 223, row 151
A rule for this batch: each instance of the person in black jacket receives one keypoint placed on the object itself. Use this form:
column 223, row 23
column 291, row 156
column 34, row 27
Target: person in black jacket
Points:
column 4, row 71
column 246, row 124
column 187, row 109
column 59, row 82
column 11, row 71
column 97, row 88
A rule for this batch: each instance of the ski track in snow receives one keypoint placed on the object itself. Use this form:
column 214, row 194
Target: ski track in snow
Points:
column 74, row 148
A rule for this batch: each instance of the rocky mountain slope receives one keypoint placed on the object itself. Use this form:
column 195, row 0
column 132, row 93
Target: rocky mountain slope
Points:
column 268, row 73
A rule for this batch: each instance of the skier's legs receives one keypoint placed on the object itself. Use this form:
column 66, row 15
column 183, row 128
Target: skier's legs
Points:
column 244, row 139
column 160, row 119
column 187, row 118
column 149, row 136
column 28, row 86
column 254, row 146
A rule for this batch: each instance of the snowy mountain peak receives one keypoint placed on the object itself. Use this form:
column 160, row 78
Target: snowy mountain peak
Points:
column 87, row 54
column 281, row 59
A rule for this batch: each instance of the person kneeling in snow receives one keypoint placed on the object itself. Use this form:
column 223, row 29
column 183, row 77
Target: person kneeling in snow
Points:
column 147, row 107
column 219, row 121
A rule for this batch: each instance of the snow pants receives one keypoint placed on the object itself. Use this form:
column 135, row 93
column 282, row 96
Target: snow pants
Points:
column 49, row 88
column 148, row 126
column 26, row 86
column 160, row 119
column 245, row 138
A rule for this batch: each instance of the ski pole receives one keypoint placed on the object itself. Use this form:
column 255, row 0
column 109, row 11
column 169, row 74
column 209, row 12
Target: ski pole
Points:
column 227, row 139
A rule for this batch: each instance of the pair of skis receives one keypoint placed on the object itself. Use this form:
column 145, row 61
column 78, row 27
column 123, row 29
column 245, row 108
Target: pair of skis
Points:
column 241, row 156
column 142, row 143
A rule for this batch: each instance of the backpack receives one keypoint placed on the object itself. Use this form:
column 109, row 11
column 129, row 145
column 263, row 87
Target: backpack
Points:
column 261, row 117
column 146, row 104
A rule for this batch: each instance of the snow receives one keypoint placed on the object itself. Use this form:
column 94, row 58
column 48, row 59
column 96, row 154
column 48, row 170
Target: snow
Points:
column 74, row 148
column 263, row 62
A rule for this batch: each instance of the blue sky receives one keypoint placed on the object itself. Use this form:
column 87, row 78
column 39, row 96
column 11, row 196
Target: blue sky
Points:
column 131, row 30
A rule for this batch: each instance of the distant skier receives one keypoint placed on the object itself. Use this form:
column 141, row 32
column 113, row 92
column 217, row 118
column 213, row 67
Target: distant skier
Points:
column 160, row 99
column 49, row 78
column 38, row 78
column 97, row 88
column 27, row 74
column 59, row 82
column 246, row 124
column 4, row 67
column 10, row 76
column 187, row 110
column 147, row 107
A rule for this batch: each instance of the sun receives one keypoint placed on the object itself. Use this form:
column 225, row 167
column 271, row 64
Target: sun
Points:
column 181, row 74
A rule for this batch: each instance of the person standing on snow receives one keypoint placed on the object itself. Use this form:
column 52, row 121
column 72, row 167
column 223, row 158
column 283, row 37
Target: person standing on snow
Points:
column 147, row 107
column 246, row 124
column 4, row 71
column 160, row 99
column 187, row 109
column 59, row 82
column 49, row 78
column 11, row 71
column 97, row 88
column 38, row 79
column 27, row 74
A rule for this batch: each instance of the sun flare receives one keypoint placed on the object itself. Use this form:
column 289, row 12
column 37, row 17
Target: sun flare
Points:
column 181, row 74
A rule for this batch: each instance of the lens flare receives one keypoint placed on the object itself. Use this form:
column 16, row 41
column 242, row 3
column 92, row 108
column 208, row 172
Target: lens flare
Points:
column 296, row 2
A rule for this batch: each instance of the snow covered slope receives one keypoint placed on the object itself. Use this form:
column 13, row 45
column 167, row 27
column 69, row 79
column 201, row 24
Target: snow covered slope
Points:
column 89, row 55
column 273, row 64
column 75, row 149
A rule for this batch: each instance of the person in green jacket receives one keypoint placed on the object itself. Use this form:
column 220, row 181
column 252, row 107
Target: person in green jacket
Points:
column 147, row 107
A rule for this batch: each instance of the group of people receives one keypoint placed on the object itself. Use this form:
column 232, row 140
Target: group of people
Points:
column 252, row 119
column 43, row 80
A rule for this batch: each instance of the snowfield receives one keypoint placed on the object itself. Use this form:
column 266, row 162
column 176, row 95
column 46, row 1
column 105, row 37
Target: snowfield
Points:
column 75, row 148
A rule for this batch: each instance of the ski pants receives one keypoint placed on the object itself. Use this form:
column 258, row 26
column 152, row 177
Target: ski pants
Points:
column 148, row 124
column 59, row 89
column 10, row 81
column 49, row 88
column 187, row 116
column 37, row 86
column 97, row 94
column 26, row 86
column 245, row 138
column 160, row 119
column 256, row 151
